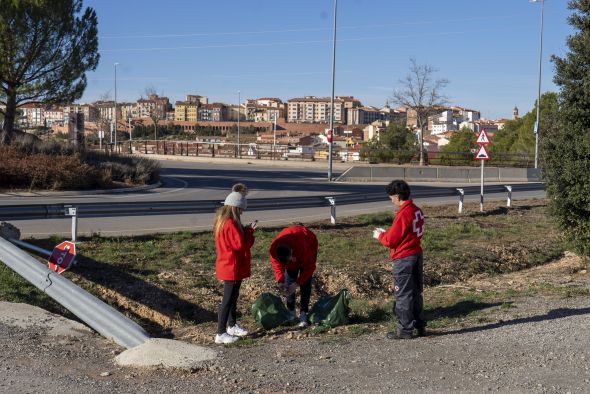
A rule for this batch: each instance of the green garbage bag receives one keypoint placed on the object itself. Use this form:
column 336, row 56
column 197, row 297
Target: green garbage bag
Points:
column 331, row 311
column 270, row 312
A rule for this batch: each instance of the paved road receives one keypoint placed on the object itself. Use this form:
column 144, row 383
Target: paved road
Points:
column 184, row 181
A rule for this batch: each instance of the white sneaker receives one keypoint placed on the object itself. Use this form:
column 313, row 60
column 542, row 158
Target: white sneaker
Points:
column 237, row 331
column 225, row 338
column 303, row 320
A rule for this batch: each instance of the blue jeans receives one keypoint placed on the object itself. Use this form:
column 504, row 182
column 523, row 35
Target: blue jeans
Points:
column 408, row 281
column 290, row 277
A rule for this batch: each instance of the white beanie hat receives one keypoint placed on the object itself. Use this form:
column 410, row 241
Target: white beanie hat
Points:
column 237, row 198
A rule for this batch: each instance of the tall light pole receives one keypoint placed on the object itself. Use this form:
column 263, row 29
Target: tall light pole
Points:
column 536, row 129
column 331, row 132
column 274, row 136
column 116, row 64
column 239, row 113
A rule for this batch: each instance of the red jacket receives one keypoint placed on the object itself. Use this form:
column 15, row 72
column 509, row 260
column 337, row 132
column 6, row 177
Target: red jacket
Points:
column 403, row 237
column 233, row 251
column 304, row 245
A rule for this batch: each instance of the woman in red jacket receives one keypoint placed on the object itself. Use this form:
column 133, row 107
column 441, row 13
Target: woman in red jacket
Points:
column 232, row 242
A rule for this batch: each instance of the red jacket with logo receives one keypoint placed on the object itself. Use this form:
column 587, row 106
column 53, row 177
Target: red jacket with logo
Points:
column 403, row 237
column 233, row 251
column 304, row 245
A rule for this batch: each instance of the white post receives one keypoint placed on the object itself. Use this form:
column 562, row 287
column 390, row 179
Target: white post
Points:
column 461, row 197
column 274, row 137
column 73, row 212
column 509, row 197
column 481, row 194
column 332, row 202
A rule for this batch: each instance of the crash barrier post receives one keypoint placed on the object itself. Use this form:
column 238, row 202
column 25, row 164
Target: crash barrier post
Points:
column 332, row 202
column 461, row 197
column 509, row 196
column 101, row 317
column 70, row 210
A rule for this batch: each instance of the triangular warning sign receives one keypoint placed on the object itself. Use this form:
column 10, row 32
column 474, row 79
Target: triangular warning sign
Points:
column 483, row 137
column 482, row 153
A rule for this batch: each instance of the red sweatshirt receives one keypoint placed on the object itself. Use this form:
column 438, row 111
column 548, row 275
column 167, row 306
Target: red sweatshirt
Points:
column 304, row 245
column 233, row 251
column 403, row 237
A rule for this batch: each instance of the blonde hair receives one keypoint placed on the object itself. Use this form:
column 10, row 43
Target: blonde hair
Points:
column 224, row 213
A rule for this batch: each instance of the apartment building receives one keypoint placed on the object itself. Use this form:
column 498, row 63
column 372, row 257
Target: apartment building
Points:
column 186, row 111
column 311, row 109
column 265, row 109
column 211, row 112
column 154, row 105
column 53, row 115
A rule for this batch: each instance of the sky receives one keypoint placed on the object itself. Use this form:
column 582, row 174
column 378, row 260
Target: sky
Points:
column 488, row 50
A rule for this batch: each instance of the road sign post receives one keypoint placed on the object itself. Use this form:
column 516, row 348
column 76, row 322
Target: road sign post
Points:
column 62, row 257
column 73, row 212
column 482, row 154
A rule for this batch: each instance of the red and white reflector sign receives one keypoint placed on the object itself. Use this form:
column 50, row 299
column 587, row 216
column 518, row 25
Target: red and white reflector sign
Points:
column 482, row 153
column 62, row 257
column 483, row 137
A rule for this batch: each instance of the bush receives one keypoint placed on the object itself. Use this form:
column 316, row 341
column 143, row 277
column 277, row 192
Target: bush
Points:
column 51, row 165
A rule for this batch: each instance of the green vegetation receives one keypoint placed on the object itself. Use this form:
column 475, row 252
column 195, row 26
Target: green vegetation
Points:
column 167, row 281
column 52, row 165
column 46, row 47
column 565, row 141
column 397, row 144
column 458, row 150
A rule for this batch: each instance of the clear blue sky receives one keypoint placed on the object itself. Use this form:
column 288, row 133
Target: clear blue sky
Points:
column 488, row 50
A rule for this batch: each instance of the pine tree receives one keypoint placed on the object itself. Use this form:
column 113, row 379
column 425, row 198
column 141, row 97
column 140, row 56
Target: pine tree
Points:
column 46, row 46
column 565, row 143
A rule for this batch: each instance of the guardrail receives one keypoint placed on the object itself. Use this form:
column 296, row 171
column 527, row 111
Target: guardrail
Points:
column 44, row 211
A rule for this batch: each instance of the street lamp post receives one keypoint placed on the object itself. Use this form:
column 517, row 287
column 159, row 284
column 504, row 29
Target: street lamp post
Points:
column 116, row 64
column 331, row 132
column 274, row 136
column 239, row 113
column 536, row 129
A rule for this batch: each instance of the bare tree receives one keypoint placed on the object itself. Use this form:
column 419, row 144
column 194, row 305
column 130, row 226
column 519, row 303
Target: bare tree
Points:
column 420, row 93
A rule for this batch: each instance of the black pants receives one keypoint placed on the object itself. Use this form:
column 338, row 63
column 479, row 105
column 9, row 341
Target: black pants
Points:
column 408, row 281
column 228, row 307
column 290, row 277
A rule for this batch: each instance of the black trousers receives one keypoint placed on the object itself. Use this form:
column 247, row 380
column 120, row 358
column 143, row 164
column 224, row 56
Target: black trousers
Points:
column 290, row 277
column 228, row 307
column 408, row 281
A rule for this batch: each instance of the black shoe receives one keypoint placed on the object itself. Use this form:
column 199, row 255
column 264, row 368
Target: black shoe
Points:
column 398, row 335
column 422, row 332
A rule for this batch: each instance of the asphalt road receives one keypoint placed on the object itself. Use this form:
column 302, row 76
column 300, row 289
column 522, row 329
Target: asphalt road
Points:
column 184, row 181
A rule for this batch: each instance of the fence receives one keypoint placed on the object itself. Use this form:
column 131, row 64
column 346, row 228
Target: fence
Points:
column 308, row 153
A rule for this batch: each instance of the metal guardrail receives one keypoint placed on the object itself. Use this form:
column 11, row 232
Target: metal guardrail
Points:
column 101, row 317
column 44, row 211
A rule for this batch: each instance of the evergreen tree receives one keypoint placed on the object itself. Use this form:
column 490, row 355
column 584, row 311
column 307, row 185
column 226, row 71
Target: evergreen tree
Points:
column 459, row 149
column 565, row 143
column 396, row 144
column 46, row 47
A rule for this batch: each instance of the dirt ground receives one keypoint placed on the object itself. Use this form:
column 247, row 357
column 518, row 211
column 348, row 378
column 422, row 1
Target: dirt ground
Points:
column 538, row 343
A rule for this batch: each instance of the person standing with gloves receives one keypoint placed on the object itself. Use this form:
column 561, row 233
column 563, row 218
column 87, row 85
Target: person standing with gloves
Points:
column 293, row 255
column 403, row 239
column 232, row 243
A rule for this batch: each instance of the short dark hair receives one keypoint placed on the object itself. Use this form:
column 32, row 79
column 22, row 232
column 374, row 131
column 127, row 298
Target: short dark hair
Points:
column 283, row 253
column 400, row 188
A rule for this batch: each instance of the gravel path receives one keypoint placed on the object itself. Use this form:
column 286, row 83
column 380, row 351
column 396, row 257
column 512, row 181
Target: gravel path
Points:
column 541, row 345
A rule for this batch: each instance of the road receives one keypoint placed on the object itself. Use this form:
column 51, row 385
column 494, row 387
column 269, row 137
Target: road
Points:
column 191, row 181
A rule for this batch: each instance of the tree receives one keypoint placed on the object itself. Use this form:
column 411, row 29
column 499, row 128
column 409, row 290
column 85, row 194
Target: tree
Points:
column 565, row 143
column 46, row 47
column 458, row 150
column 396, row 144
column 420, row 93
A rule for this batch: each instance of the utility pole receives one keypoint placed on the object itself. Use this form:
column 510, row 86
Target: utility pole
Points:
column 116, row 64
column 331, row 131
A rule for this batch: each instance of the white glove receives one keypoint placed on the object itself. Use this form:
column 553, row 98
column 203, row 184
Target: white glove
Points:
column 377, row 232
